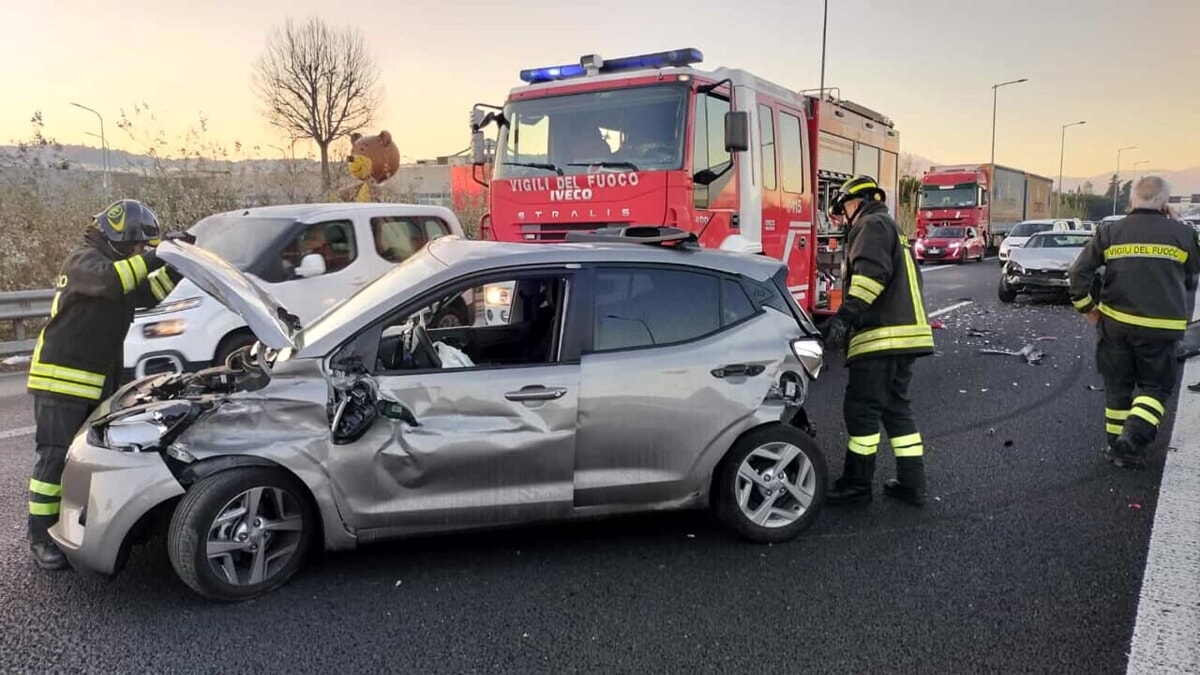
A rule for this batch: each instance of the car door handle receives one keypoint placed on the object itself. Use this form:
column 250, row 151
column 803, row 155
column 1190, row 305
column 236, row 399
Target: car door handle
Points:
column 536, row 393
column 738, row 369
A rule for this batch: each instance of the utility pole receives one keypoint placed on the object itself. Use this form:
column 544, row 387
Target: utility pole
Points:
column 103, row 149
column 824, row 29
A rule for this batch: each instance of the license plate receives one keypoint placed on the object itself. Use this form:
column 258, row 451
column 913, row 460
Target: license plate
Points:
column 935, row 251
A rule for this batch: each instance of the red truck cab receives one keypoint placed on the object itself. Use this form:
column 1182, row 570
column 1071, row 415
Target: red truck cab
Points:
column 650, row 140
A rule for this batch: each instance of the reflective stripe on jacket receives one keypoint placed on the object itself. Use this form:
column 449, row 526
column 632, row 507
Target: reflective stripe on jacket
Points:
column 882, row 295
column 1150, row 266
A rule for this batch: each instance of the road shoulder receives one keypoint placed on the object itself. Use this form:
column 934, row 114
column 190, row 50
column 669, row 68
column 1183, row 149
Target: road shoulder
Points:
column 1168, row 617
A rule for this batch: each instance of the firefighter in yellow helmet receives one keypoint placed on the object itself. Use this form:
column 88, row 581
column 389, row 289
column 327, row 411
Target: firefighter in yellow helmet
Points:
column 883, row 317
column 77, row 360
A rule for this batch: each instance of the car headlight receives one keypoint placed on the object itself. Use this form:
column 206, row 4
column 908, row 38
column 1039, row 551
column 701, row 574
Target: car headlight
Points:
column 177, row 306
column 1015, row 268
column 168, row 328
column 148, row 429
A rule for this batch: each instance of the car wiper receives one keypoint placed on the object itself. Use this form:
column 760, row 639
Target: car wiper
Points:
column 608, row 165
column 537, row 165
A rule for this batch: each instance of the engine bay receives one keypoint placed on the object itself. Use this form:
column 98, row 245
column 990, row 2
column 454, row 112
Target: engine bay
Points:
column 243, row 370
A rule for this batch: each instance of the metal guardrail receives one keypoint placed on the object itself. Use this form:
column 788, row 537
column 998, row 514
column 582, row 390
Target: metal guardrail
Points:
column 17, row 306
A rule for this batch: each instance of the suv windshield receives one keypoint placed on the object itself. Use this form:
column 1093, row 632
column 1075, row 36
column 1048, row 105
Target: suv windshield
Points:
column 239, row 240
column 638, row 129
column 947, row 233
column 934, row 197
column 1028, row 229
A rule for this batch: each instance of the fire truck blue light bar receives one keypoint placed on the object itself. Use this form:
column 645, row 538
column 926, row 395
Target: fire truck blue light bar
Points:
column 676, row 58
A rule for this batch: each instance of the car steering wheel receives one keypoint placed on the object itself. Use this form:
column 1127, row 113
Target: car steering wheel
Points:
column 420, row 347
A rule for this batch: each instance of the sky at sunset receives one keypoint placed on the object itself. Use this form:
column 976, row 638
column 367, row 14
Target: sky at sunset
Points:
column 1130, row 69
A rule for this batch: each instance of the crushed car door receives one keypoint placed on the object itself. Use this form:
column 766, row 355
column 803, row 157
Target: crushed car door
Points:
column 481, row 440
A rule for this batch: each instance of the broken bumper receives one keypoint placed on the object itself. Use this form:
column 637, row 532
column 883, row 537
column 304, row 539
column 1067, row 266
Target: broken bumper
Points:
column 104, row 494
column 1055, row 281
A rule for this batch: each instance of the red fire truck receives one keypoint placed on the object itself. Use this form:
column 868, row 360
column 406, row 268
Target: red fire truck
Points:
column 650, row 140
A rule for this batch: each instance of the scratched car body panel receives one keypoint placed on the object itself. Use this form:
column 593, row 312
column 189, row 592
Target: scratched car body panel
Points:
column 619, row 383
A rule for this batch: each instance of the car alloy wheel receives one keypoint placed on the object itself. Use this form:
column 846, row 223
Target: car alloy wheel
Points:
column 772, row 484
column 240, row 533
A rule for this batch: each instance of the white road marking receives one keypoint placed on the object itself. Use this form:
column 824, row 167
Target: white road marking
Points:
column 15, row 433
column 1168, row 616
column 951, row 308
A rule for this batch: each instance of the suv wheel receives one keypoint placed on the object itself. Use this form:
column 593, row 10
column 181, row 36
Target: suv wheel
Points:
column 1006, row 293
column 771, row 484
column 241, row 533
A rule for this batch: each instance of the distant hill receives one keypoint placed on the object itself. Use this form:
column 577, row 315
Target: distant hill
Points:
column 1185, row 182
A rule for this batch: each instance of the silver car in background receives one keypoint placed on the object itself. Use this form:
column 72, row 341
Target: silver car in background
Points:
column 1042, row 264
column 625, row 377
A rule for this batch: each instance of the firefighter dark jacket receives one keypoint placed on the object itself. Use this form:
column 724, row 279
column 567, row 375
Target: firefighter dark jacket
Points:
column 80, row 351
column 1150, row 266
column 882, row 303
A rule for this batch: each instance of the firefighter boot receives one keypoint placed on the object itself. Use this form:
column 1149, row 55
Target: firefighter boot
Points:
column 1127, row 453
column 909, row 484
column 47, row 556
column 855, row 484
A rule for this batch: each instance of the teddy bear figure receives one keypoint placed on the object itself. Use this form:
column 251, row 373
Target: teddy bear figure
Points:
column 372, row 160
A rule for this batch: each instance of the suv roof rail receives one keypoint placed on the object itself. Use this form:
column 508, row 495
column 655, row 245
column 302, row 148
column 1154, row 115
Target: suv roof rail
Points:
column 671, row 237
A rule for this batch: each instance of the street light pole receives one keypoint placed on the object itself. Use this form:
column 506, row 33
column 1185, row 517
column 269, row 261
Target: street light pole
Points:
column 1117, row 182
column 1136, row 175
column 1061, row 153
column 994, row 88
column 103, row 143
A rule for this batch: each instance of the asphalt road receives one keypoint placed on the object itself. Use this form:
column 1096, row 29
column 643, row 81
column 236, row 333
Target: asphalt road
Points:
column 1029, row 559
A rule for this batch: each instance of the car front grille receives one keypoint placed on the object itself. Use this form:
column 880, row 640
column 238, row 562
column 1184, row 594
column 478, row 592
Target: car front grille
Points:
column 558, row 231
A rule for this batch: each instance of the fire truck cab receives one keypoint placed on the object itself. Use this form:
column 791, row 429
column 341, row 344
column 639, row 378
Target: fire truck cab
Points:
column 746, row 164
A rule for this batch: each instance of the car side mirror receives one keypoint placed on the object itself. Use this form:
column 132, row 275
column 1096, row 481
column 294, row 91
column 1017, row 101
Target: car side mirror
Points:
column 312, row 265
column 478, row 152
column 737, row 131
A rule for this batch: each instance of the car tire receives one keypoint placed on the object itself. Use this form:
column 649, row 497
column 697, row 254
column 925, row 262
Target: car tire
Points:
column 1006, row 293
column 754, row 450
column 230, row 344
column 282, row 502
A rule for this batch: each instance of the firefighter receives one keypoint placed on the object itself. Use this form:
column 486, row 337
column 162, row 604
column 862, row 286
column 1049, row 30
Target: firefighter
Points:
column 1140, row 308
column 78, row 357
column 883, row 316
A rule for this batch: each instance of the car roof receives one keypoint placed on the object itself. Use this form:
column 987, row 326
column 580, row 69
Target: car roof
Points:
column 470, row 255
column 307, row 213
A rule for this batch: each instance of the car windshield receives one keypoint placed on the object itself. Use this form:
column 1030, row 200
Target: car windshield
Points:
column 239, row 240
column 1058, row 240
column 638, row 129
column 935, row 197
column 947, row 233
column 1029, row 229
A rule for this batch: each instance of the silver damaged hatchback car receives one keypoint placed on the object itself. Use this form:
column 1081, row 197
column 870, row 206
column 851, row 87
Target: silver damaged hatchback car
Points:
column 634, row 371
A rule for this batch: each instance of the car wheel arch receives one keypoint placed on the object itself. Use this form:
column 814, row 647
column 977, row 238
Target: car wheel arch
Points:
column 714, row 472
column 194, row 473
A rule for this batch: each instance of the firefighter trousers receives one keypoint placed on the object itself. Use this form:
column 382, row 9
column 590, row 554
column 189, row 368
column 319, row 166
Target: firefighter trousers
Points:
column 1139, row 378
column 877, row 393
column 58, row 420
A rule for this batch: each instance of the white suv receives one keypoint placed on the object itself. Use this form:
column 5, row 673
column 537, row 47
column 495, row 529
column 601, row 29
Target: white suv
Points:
column 1021, row 232
column 310, row 256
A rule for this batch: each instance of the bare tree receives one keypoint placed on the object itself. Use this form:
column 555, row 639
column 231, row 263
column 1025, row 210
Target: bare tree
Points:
column 318, row 83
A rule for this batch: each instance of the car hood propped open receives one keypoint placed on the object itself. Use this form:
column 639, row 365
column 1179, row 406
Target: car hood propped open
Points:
column 270, row 321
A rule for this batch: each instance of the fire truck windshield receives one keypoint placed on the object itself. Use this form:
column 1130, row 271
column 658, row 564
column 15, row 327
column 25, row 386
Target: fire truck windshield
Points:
column 638, row 129
column 934, row 197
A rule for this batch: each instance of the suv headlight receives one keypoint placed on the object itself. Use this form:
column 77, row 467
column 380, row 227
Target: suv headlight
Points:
column 148, row 429
column 1015, row 268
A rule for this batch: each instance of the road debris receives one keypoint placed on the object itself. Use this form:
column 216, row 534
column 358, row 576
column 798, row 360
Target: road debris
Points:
column 1092, row 387
column 1031, row 354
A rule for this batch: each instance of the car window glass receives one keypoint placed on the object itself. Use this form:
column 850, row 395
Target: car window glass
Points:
column 333, row 241
column 648, row 307
column 503, row 322
column 397, row 237
column 735, row 305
